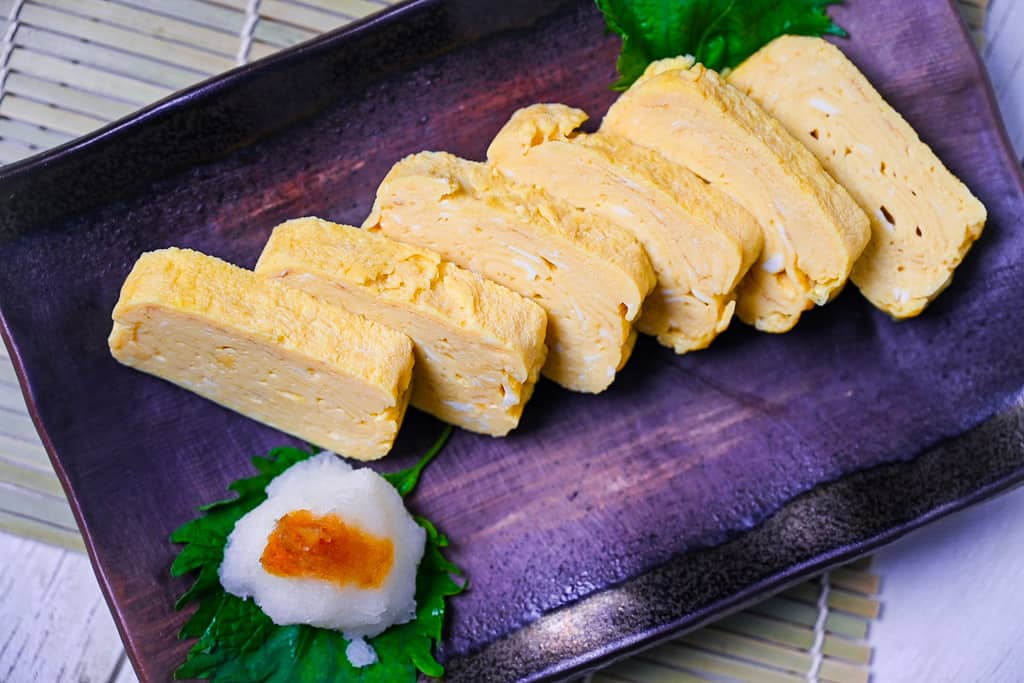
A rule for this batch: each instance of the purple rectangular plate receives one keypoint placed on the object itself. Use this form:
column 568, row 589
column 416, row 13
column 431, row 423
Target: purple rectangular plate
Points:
column 606, row 523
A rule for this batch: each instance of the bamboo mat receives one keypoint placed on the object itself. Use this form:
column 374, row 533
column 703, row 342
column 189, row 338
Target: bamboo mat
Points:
column 974, row 12
column 814, row 632
column 68, row 67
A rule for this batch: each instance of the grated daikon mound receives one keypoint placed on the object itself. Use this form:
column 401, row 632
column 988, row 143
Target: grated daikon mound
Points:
column 361, row 498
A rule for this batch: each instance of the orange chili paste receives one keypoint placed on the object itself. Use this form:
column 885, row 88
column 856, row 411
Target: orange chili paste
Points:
column 308, row 546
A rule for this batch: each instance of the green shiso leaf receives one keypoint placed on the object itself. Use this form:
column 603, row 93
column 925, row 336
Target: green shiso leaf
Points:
column 405, row 480
column 718, row 33
column 238, row 643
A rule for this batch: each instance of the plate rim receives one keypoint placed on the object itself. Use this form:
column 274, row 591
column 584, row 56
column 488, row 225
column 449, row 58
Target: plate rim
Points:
column 652, row 636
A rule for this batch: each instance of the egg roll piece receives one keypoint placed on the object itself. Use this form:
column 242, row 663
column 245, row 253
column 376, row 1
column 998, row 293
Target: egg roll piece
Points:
column 700, row 242
column 479, row 347
column 588, row 275
column 923, row 219
column 266, row 350
column 813, row 230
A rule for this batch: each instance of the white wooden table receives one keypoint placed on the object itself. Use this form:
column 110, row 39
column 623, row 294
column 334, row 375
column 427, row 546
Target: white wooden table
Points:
column 951, row 592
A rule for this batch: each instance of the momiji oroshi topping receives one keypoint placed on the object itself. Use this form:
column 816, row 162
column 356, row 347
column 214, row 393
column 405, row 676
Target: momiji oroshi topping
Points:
column 308, row 546
column 331, row 546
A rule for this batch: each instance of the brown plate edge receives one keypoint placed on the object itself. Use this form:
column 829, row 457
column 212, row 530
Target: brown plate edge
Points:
column 645, row 595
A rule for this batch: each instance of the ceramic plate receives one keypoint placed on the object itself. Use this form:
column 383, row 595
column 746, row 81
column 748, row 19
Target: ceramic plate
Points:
column 695, row 485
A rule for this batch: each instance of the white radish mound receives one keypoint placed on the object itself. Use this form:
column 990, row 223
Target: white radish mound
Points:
column 325, row 484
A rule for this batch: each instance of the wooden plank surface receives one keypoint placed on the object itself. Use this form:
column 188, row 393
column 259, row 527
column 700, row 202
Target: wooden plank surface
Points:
column 54, row 625
column 953, row 599
column 1004, row 57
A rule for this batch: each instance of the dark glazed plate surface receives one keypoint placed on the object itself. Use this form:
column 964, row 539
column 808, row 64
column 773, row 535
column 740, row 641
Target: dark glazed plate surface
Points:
column 606, row 522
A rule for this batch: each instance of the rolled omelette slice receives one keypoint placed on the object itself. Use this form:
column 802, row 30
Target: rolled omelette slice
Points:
column 923, row 219
column 266, row 350
column 588, row 275
column 700, row 242
column 479, row 347
column 813, row 230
